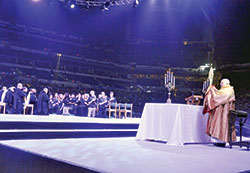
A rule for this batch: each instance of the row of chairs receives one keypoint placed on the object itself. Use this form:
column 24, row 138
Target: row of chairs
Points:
column 119, row 108
column 3, row 105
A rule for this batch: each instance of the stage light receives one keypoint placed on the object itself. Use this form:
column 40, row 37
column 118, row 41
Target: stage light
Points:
column 106, row 6
column 36, row 0
column 136, row 3
column 72, row 4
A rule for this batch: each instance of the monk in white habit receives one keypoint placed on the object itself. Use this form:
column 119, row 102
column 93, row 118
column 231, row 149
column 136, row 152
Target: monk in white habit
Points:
column 218, row 103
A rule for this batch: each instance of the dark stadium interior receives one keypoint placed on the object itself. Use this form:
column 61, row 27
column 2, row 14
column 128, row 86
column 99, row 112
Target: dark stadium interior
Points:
column 88, row 86
column 126, row 50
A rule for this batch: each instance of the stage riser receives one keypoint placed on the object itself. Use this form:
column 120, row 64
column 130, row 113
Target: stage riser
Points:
column 14, row 160
column 60, row 135
column 7, row 125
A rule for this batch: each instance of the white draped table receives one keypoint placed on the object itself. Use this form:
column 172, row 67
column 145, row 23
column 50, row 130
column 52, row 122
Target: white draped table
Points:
column 175, row 123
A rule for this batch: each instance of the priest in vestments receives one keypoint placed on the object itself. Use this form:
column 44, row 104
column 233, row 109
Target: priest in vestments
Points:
column 218, row 103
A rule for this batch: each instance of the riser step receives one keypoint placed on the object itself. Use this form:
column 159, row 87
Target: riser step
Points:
column 64, row 134
column 63, row 125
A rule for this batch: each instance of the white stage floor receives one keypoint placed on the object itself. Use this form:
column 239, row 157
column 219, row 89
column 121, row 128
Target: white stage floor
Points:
column 128, row 155
column 66, row 118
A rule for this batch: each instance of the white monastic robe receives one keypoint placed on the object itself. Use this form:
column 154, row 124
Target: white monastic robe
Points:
column 3, row 95
column 27, row 100
column 218, row 103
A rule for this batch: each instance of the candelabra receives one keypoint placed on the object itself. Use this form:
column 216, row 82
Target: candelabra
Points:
column 169, row 83
column 205, row 86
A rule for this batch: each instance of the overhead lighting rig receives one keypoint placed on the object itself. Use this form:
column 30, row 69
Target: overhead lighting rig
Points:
column 103, row 4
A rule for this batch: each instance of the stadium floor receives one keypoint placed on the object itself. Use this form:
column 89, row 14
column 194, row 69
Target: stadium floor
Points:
column 129, row 155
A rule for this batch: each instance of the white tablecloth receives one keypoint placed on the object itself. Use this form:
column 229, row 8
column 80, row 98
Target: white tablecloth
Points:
column 175, row 123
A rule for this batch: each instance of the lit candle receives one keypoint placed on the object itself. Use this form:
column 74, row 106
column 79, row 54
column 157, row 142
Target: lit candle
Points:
column 169, row 75
column 171, row 80
column 174, row 82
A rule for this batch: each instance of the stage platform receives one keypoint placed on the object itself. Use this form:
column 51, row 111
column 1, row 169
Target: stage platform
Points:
column 65, row 118
column 61, row 144
column 118, row 155
column 58, row 126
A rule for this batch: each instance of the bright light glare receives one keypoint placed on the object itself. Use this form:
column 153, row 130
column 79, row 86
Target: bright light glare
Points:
column 72, row 6
column 203, row 67
column 36, row 0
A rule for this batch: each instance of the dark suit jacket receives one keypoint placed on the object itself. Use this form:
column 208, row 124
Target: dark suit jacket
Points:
column 43, row 104
column 1, row 92
column 18, row 98
column 33, row 98
column 9, row 97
